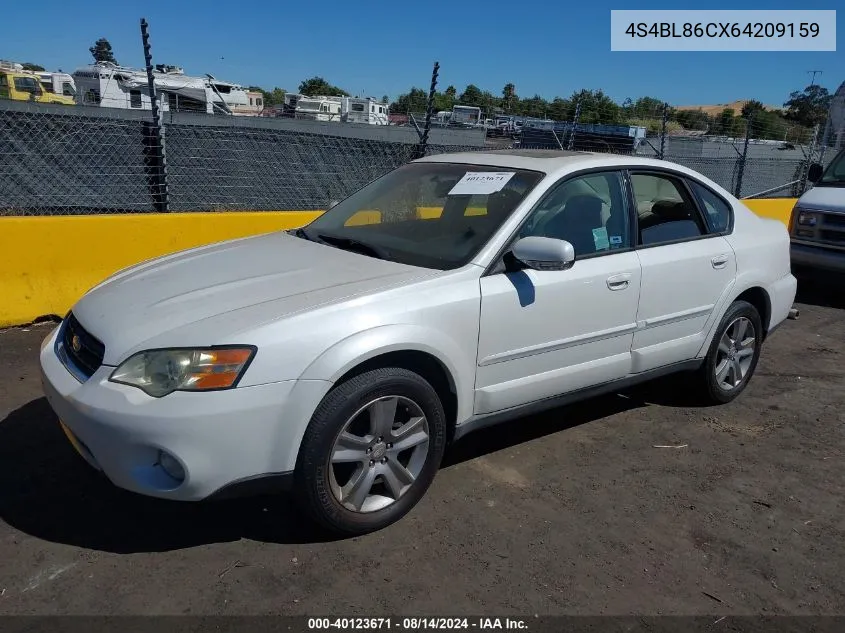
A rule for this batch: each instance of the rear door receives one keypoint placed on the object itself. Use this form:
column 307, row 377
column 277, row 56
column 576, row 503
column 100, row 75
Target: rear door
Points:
column 687, row 266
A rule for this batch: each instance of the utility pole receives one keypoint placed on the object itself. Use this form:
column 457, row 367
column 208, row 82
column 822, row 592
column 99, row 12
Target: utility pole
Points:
column 814, row 73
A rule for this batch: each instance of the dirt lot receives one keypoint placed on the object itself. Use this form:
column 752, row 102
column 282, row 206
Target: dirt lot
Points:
column 574, row 511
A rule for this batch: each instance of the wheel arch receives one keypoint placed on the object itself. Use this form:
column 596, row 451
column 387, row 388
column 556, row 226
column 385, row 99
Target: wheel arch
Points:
column 426, row 351
column 422, row 363
column 758, row 297
column 752, row 291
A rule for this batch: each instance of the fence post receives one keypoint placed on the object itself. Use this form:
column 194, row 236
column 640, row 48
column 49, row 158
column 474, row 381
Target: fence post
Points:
column 825, row 141
column 663, row 125
column 805, row 169
column 429, row 111
column 744, row 157
column 158, row 156
column 571, row 145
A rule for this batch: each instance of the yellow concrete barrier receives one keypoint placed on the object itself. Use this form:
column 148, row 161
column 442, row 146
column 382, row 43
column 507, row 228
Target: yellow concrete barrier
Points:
column 775, row 208
column 47, row 263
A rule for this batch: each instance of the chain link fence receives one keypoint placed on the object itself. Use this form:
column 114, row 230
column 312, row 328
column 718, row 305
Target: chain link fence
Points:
column 58, row 160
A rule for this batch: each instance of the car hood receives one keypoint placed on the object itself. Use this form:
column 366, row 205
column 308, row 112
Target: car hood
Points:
column 824, row 199
column 135, row 308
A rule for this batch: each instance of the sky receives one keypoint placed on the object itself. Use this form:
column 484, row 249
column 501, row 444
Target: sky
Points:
column 542, row 47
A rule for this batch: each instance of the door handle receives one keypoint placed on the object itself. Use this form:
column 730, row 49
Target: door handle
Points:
column 618, row 282
column 720, row 261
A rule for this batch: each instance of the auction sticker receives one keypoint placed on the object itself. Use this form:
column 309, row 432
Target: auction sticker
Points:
column 481, row 183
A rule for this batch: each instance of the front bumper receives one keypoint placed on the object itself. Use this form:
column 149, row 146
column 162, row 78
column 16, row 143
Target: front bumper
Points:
column 221, row 438
column 805, row 256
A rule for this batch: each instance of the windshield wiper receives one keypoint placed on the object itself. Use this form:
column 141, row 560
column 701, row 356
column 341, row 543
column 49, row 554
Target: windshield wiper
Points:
column 348, row 243
column 300, row 232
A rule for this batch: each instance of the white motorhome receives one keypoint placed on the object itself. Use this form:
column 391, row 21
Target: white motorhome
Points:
column 111, row 86
column 318, row 108
column 366, row 110
column 289, row 104
column 233, row 95
column 469, row 116
column 57, row 83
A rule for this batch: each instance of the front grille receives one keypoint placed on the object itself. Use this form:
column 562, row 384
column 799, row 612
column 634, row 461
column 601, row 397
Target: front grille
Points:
column 837, row 237
column 834, row 219
column 89, row 355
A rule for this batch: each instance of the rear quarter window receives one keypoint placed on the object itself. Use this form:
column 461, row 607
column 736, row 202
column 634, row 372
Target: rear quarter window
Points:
column 717, row 211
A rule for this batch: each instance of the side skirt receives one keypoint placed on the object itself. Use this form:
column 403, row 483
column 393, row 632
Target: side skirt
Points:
column 491, row 419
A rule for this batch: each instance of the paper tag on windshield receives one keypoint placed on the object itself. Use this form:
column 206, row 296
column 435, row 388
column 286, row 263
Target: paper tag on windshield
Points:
column 481, row 183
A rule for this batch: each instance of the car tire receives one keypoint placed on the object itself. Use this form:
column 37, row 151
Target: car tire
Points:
column 733, row 354
column 343, row 425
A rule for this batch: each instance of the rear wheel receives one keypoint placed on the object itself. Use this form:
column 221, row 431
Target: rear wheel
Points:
column 733, row 354
column 371, row 451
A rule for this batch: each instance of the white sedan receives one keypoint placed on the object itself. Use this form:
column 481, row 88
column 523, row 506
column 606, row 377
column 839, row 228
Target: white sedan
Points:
column 338, row 360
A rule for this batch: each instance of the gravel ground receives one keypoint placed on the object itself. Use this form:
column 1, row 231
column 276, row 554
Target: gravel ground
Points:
column 571, row 512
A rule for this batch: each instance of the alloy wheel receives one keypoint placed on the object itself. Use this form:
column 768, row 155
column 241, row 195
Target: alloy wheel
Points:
column 735, row 353
column 378, row 454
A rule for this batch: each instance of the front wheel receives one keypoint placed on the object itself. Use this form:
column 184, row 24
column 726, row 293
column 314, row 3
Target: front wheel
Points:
column 733, row 354
column 371, row 451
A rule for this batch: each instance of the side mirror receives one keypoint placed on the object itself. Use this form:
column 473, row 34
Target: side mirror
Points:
column 815, row 172
column 544, row 253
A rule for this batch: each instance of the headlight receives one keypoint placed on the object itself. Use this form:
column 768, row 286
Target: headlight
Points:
column 160, row 372
column 807, row 219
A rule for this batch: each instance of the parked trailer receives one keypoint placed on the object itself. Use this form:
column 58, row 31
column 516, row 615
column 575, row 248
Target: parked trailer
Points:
column 57, row 83
column 366, row 110
column 111, row 86
column 319, row 108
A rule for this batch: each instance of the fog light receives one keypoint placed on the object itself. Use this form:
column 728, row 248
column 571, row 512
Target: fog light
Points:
column 171, row 466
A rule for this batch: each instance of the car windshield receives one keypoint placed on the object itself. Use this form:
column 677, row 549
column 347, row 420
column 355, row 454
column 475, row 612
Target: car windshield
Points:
column 434, row 215
column 834, row 175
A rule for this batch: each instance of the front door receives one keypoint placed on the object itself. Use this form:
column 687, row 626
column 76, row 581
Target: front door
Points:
column 544, row 333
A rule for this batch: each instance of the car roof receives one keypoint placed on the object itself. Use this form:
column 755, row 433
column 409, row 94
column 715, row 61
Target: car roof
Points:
column 546, row 161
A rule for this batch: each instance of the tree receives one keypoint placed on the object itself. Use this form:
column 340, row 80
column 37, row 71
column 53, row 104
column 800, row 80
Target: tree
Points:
column 724, row 121
column 271, row 98
column 508, row 96
column 385, row 99
column 808, row 107
column 644, row 108
column 321, row 87
column 276, row 97
column 596, row 107
column 413, row 101
column 561, row 109
column 33, row 67
column 535, row 106
column 444, row 101
column 728, row 124
column 752, row 108
column 471, row 96
column 102, row 52
column 691, row 119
